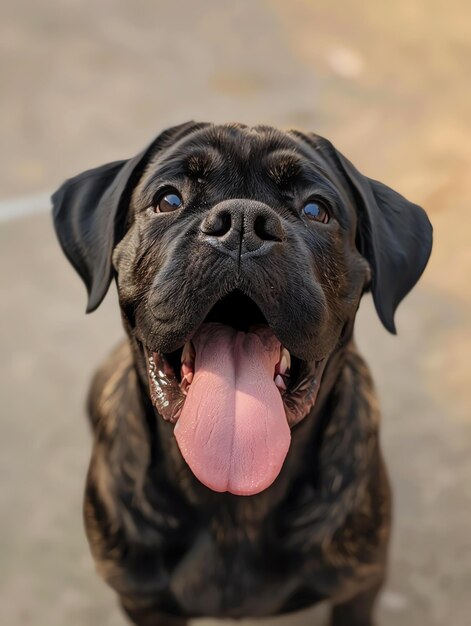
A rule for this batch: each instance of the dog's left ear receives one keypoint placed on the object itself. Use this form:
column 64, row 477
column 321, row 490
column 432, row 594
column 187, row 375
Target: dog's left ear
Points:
column 90, row 213
column 393, row 234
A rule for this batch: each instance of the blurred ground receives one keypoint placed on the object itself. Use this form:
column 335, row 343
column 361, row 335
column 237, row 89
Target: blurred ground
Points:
column 83, row 82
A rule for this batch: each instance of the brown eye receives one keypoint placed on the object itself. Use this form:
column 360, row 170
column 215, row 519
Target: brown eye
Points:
column 316, row 211
column 170, row 202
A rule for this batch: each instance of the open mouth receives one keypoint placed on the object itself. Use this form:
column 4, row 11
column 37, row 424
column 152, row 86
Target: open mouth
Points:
column 233, row 392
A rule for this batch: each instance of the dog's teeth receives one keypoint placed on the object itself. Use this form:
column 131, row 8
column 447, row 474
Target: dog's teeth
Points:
column 187, row 367
column 188, row 353
column 187, row 379
column 187, row 376
column 280, row 383
column 186, row 370
column 285, row 362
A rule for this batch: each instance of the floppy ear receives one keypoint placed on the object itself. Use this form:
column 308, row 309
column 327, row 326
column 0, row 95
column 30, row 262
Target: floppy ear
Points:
column 90, row 212
column 394, row 235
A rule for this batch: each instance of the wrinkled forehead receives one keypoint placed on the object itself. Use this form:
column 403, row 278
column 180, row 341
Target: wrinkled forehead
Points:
column 237, row 153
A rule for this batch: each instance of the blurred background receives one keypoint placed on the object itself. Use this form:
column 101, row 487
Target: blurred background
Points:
column 84, row 82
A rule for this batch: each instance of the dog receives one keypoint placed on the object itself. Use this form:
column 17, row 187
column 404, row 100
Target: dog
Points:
column 236, row 468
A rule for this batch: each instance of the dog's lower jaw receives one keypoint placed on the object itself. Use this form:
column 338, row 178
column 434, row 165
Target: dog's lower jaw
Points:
column 233, row 398
column 303, row 430
column 303, row 403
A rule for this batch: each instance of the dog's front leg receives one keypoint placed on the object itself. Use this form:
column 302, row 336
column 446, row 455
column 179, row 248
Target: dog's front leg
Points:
column 357, row 611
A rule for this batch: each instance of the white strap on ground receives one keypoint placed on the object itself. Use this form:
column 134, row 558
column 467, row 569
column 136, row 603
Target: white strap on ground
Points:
column 14, row 208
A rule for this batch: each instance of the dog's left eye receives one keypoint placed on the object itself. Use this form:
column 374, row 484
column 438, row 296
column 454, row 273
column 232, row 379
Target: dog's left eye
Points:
column 169, row 202
column 315, row 209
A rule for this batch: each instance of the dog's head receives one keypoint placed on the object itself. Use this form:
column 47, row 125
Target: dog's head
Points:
column 240, row 256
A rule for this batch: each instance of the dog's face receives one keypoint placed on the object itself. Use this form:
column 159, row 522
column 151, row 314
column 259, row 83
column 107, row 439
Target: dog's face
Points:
column 240, row 255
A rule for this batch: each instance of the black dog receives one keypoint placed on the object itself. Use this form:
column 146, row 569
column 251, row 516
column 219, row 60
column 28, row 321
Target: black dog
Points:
column 236, row 469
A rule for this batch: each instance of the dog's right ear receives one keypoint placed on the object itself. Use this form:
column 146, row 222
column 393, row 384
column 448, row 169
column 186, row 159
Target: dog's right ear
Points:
column 90, row 212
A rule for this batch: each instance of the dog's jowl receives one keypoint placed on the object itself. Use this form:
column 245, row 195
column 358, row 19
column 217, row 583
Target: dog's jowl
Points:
column 236, row 469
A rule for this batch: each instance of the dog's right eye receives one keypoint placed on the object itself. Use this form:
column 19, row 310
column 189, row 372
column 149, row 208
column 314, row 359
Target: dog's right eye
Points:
column 171, row 201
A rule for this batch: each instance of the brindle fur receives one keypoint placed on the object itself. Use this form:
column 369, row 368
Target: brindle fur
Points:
column 170, row 547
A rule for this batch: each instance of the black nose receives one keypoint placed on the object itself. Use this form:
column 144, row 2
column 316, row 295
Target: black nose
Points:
column 242, row 227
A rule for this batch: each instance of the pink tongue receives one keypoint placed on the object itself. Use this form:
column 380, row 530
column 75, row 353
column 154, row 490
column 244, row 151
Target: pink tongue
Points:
column 232, row 430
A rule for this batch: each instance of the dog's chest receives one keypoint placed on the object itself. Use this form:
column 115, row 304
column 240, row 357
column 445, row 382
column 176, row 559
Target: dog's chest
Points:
column 231, row 570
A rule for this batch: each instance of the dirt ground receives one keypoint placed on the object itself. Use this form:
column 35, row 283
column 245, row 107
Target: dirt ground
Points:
column 83, row 82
